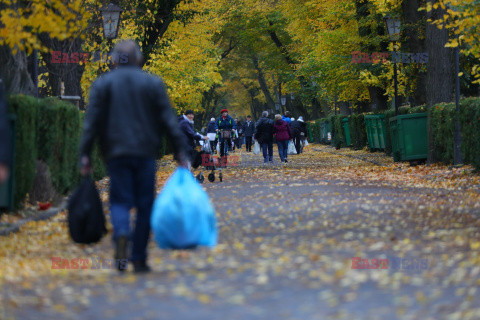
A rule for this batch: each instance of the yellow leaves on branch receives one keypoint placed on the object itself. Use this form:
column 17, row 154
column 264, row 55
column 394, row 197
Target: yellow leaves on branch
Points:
column 20, row 23
column 463, row 18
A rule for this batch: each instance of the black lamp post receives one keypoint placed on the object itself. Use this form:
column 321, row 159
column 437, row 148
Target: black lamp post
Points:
column 110, row 20
column 457, row 154
column 393, row 27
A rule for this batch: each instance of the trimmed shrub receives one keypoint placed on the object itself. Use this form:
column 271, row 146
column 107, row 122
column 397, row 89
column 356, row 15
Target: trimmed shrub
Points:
column 49, row 139
column 24, row 107
column 442, row 126
column 338, row 136
column 469, row 118
column 358, row 131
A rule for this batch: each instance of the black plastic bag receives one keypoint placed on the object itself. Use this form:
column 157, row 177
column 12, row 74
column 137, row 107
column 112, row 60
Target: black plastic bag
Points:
column 86, row 221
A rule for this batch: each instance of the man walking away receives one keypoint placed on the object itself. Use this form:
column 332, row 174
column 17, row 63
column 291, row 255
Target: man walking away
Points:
column 287, row 117
column 302, row 135
column 239, row 126
column 248, row 131
column 129, row 111
column 211, row 134
column 283, row 134
column 264, row 136
column 4, row 137
column 295, row 126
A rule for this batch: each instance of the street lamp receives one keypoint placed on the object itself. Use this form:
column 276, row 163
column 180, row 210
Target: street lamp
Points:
column 110, row 19
column 393, row 27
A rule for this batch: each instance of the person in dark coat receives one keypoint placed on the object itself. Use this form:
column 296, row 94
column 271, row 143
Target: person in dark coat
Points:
column 264, row 136
column 129, row 111
column 186, row 124
column 212, row 134
column 227, row 124
column 248, row 131
column 238, row 139
column 283, row 134
column 4, row 137
column 299, row 130
column 303, row 133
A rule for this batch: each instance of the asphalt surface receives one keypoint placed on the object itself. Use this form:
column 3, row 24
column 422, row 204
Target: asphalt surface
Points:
column 287, row 236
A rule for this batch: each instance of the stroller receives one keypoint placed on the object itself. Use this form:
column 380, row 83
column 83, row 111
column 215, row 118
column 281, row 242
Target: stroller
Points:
column 205, row 159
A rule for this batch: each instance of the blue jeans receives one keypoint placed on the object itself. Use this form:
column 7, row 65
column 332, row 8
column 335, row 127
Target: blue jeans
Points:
column 283, row 149
column 132, row 185
column 267, row 147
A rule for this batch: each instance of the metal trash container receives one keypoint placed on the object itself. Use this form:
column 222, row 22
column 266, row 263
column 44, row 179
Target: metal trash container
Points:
column 409, row 137
column 8, row 187
column 375, row 126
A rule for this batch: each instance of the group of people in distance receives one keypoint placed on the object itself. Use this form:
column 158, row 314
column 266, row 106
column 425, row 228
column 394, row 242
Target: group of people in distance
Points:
column 282, row 129
column 229, row 133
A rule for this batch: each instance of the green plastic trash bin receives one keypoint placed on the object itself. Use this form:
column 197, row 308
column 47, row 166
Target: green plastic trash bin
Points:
column 7, row 188
column 346, row 131
column 409, row 137
column 309, row 132
column 375, row 126
column 324, row 130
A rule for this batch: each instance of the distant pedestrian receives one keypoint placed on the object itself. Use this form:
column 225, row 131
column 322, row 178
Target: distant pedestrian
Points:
column 239, row 132
column 4, row 137
column 248, row 131
column 212, row 134
column 225, row 126
column 129, row 111
column 186, row 124
column 303, row 133
column 299, row 130
column 264, row 136
column 287, row 117
column 283, row 134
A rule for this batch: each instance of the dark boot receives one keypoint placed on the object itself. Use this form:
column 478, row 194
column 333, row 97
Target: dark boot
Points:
column 121, row 246
column 141, row 266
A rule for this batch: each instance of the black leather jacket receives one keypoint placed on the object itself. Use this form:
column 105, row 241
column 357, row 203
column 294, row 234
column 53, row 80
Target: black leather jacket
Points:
column 129, row 111
column 264, row 130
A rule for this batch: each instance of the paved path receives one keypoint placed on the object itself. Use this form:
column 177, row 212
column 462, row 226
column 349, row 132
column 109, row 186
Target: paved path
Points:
column 287, row 235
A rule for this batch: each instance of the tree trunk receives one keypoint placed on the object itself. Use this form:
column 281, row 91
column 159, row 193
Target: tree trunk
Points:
column 411, row 41
column 263, row 83
column 439, row 82
column 378, row 99
column 14, row 72
column 68, row 72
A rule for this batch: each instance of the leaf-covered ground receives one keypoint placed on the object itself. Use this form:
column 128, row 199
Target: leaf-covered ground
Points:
column 287, row 235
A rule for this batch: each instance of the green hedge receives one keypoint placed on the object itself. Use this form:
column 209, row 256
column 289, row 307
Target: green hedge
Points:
column 442, row 121
column 358, row 132
column 25, row 151
column 48, row 130
column 315, row 127
column 469, row 118
column 338, row 136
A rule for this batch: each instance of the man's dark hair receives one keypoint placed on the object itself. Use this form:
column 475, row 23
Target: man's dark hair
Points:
column 249, row 116
column 188, row 112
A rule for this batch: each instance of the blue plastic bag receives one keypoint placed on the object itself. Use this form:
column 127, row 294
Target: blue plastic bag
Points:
column 183, row 216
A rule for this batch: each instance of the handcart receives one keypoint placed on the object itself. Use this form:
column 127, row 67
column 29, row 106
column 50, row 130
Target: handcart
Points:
column 205, row 160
